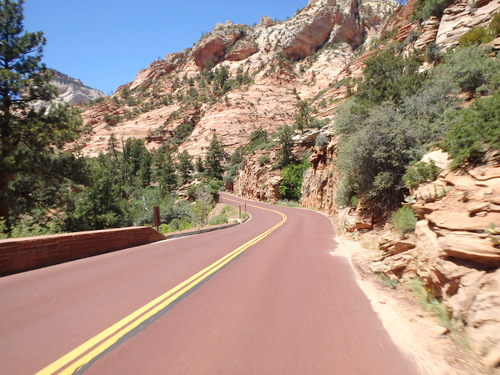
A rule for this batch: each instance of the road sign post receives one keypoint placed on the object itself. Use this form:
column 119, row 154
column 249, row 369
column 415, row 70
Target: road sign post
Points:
column 156, row 219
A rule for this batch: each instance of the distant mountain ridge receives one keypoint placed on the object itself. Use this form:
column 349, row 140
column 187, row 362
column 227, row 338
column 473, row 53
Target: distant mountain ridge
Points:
column 72, row 90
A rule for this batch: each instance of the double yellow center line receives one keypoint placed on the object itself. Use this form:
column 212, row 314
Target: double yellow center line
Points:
column 96, row 346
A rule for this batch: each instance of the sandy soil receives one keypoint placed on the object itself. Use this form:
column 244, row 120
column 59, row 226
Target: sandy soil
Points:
column 416, row 332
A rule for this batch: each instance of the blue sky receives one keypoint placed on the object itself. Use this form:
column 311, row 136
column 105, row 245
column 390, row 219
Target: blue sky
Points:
column 105, row 43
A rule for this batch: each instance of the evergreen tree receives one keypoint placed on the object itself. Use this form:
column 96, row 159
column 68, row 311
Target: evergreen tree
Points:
column 28, row 138
column 214, row 159
column 185, row 166
column 164, row 171
column 100, row 205
column 389, row 77
column 303, row 116
column 200, row 168
column 285, row 153
column 138, row 161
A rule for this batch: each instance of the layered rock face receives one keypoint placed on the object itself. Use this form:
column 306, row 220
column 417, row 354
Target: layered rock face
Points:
column 319, row 183
column 259, row 181
column 280, row 59
column 461, row 17
column 455, row 250
column 73, row 91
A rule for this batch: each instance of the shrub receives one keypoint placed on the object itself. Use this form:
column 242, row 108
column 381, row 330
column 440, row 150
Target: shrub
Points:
column 430, row 304
column 373, row 154
column 180, row 224
column 389, row 77
column 263, row 160
column 219, row 219
column 424, row 9
column 472, row 69
column 227, row 209
column 476, row 35
column 287, row 203
column 474, row 130
column 404, row 220
column 291, row 185
column 258, row 139
column 494, row 26
column 432, row 53
column 417, row 173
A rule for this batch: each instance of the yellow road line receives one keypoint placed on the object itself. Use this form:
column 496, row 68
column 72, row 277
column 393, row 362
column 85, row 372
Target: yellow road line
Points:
column 77, row 358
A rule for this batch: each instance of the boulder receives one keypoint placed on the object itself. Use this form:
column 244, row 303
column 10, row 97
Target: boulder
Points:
column 469, row 246
column 469, row 286
column 265, row 21
column 396, row 266
column 462, row 221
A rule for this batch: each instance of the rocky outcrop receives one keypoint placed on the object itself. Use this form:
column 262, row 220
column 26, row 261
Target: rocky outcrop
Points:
column 156, row 70
column 160, row 97
column 259, row 181
column 73, row 91
column 319, row 184
column 308, row 34
column 461, row 17
column 212, row 49
column 456, row 249
column 70, row 91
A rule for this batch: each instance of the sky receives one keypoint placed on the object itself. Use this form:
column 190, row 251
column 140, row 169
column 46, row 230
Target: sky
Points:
column 105, row 43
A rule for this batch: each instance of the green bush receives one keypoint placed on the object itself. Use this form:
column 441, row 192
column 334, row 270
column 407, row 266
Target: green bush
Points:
column 373, row 154
column 472, row 69
column 263, row 160
column 388, row 76
column 219, row 219
column 228, row 210
column 476, row 35
column 494, row 26
column 404, row 220
column 417, row 173
column 259, row 139
column 424, row 9
column 474, row 130
column 291, row 185
column 430, row 304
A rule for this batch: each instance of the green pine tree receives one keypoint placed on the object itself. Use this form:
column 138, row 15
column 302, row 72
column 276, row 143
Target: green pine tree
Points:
column 185, row 166
column 164, row 171
column 214, row 159
column 28, row 138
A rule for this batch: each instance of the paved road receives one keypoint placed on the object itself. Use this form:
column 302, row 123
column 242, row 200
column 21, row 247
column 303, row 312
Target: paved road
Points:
column 284, row 301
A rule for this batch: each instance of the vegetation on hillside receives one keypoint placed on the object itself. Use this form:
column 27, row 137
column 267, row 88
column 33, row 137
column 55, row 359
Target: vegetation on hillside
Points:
column 394, row 113
column 397, row 114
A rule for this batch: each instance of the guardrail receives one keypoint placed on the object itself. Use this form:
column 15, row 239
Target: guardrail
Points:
column 24, row 254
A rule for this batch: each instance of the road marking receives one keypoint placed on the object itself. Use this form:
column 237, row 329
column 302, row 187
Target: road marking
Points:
column 98, row 344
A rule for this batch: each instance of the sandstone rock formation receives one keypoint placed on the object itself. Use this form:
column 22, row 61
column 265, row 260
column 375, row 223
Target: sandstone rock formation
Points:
column 318, row 187
column 259, row 182
column 160, row 97
column 461, row 17
column 73, row 91
column 455, row 250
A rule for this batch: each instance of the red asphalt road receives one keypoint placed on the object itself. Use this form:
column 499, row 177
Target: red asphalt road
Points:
column 288, row 305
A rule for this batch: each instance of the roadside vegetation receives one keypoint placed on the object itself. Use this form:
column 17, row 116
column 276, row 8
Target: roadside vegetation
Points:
column 398, row 114
column 395, row 115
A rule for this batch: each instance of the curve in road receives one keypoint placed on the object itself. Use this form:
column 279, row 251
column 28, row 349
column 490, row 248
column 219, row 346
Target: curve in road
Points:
column 290, row 305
